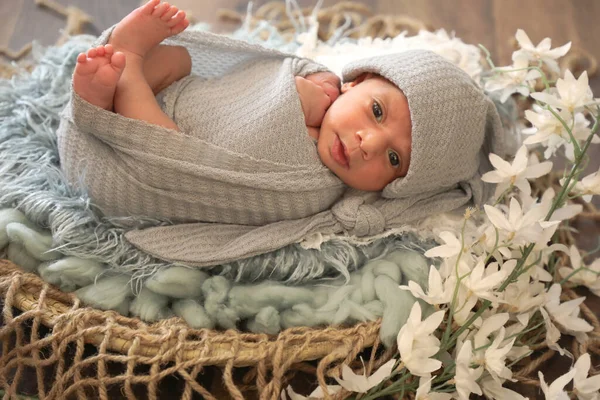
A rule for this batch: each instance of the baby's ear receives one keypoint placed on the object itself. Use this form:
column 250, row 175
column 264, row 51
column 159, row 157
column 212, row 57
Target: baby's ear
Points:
column 362, row 77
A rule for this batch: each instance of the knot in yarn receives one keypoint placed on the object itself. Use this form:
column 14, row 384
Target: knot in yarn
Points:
column 358, row 218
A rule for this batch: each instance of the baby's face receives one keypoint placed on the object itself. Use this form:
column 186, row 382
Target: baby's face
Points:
column 365, row 136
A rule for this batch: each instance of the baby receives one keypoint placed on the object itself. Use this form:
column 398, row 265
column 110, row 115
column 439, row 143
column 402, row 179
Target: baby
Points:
column 363, row 137
column 218, row 136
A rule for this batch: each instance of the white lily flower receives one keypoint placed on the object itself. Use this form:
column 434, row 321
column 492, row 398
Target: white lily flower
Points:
column 519, row 228
column 494, row 390
column 556, row 390
column 512, row 79
column 451, row 248
column 466, row 377
column 316, row 394
column 495, row 357
column 489, row 325
column 424, row 391
column 360, row 383
column 479, row 284
column 487, row 242
column 585, row 388
column 541, row 52
column 439, row 291
column 552, row 334
column 574, row 94
column 549, row 132
column 560, row 214
column 416, row 342
column 567, row 313
column 517, row 173
column 589, row 276
column 523, row 296
column 483, row 280
column 588, row 186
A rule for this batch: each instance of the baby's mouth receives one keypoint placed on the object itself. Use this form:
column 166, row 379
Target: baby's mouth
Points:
column 339, row 152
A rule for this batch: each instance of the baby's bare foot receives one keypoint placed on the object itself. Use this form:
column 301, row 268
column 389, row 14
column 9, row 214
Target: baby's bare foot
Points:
column 96, row 75
column 147, row 26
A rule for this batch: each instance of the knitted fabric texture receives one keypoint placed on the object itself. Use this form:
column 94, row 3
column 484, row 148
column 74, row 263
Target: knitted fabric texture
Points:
column 247, row 206
column 454, row 124
column 244, row 156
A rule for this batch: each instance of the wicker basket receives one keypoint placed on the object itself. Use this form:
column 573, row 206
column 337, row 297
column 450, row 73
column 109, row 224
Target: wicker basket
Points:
column 169, row 347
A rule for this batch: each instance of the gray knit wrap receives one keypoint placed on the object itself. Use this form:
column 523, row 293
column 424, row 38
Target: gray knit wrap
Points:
column 454, row 124
column 132, row 165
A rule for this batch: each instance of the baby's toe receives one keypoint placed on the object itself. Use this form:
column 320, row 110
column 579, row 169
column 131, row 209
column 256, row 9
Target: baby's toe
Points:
column 160, row 9
column 149, row 7
column 92, row 53
column 109, row 49
column 169, row 14
column 177, row 19
column 81, row 58
column 100, row 51
column 118, row 60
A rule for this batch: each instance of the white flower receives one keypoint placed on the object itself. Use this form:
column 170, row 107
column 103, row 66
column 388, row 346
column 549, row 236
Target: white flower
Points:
column 466, row 377
column 588, row 186
column 492, row 357
column 541, row 52
column 479, row 284
column 585, row 388
column 316, row 394
column 416, row 342
column 574, row 94
column 489, row 325
column 517, row 173
column 556, row 389
column 552, row 334
column 424, row 391
column 548, row 131
column 495, row 357
column 513, row 79
column 519, row 229
column 495, row 390
column 522, row 296
column 438, row 291
column 589, row 276
column 483, row 280
column 567, row 313
column 452, row 246
column 560, row 214
column 360, row 383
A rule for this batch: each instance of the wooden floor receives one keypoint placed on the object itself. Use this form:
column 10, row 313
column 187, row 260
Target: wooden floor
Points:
column 490, row 22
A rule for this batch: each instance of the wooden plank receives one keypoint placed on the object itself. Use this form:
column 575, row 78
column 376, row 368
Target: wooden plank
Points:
column 35, row 23
column 44, row 25
column 539, row 19
column 9, row 15
column 470, row 20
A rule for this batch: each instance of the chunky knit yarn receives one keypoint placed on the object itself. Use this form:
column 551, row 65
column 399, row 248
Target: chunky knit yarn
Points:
column 229, row 203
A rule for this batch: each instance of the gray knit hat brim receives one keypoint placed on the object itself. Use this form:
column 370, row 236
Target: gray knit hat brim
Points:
column 454, row 124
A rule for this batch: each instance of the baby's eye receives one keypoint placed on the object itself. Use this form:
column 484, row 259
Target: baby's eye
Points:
column 394, row 158
column 377, row 111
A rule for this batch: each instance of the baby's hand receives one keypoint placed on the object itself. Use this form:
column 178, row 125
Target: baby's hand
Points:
column 317, row 92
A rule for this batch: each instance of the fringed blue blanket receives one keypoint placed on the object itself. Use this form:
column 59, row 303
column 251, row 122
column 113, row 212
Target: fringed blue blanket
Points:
column 51, row 229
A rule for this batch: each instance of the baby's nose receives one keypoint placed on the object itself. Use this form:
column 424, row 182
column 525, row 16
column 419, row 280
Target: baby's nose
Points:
column 371, row 143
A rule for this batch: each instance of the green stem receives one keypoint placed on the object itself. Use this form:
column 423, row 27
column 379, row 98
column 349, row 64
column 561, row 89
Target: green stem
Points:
column 569, row 130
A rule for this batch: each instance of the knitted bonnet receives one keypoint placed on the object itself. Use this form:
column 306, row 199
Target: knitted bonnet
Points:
column 454, row 124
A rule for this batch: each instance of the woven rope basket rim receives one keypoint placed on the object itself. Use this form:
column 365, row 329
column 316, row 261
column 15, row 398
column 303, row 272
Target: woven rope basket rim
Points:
column 211, row 347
